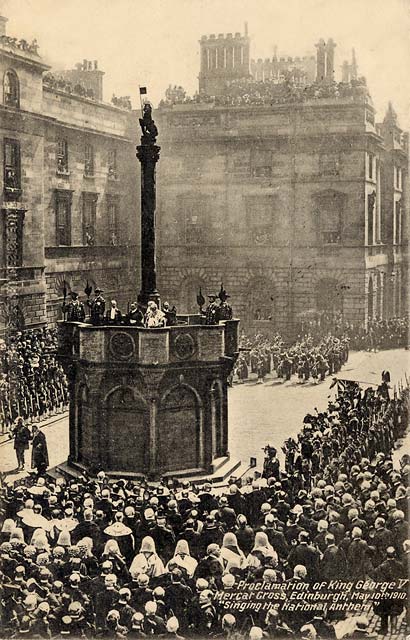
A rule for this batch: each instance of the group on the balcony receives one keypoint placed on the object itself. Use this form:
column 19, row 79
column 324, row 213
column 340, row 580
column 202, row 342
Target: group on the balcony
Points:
column 137, row 315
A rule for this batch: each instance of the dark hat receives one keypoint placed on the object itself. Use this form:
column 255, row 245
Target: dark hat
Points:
column 74, row 294
column 97, row 291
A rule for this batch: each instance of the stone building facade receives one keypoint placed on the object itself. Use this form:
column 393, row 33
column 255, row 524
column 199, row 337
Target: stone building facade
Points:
column 69, row 183
column 296, row 201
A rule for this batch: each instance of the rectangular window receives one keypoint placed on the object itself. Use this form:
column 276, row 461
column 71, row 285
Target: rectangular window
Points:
column 195, row 211
column 260, row 217
column 261, row 163
column 62, row 156
column 112, row 214
column 398, row 178
column 12, row 171
column 63, row 217
column 370, row 172
column 329, row 165
column 89, row 160
column 89, row 218
column 112, row 164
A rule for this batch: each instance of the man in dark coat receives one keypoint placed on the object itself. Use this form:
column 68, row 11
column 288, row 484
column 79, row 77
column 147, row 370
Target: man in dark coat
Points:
column 306, row 555
column 97, row 308
column 75, row 309
column 39, row 453
column 22, row 436
column 333, row 565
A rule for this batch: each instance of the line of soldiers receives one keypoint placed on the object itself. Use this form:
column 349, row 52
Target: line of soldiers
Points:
column 32, row 384
column 138, row 315
column 305, row 358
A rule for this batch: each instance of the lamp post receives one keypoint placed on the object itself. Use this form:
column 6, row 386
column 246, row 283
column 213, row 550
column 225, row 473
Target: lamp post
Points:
column 148, row 155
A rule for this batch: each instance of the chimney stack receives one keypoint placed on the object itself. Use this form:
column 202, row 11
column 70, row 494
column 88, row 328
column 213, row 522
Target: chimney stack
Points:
column 353, row 66
column 3, row 22
column 330, row 60
column 320, row 60
column 345, row 71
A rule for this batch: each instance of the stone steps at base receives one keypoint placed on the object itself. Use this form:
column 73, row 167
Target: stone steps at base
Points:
column 225, row 469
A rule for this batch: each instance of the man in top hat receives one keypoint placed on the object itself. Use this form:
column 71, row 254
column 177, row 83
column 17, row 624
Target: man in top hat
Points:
column 74, row 309
column 212, row 310
column 97, row 308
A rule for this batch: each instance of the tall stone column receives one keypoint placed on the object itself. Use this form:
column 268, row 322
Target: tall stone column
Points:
column 148, row 155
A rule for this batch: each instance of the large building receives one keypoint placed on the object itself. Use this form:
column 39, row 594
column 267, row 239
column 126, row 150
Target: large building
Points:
column 69, row 198
column 284, row 188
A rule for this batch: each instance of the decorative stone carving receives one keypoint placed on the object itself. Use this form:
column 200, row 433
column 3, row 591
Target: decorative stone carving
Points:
column 122, row 346
column 184, row 346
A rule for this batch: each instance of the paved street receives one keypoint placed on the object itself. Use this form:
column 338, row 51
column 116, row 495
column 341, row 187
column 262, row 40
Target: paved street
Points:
column 258, row 414
column 269, row 413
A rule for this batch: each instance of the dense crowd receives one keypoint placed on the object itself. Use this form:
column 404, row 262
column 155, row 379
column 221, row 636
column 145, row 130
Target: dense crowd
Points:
column 247, row 91
column 85, row 558
column 32, row 383
column 307, row 358
column 381, row 334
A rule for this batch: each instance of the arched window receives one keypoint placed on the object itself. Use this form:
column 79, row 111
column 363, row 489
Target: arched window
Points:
column 11, row 89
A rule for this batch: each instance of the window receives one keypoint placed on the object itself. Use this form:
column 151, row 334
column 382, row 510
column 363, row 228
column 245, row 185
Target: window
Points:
column 62, row 156
column 330, row 206
column 112, row 164
column 195, row 211
column 63, row 217
column 11, row 89
column 397, row 222
column 12, row 173
column 89, row 218
column 112, row 211
column 261, row 163
column 398, row 177
column 371, row 206
column 89, row 160
column 259, row 214
column 261, row 300
column 370, row 171
column 329, row 165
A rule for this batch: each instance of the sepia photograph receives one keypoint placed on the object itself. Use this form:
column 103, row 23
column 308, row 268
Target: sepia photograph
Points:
column 204, row 319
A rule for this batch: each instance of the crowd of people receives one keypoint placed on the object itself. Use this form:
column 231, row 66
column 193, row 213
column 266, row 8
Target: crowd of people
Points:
column 248, row 91
column 32, row 382
column 392, row 333
column 307, row 358
column 88, row 557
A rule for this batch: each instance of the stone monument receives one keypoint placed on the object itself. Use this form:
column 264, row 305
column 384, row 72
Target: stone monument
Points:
column 145, row 402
